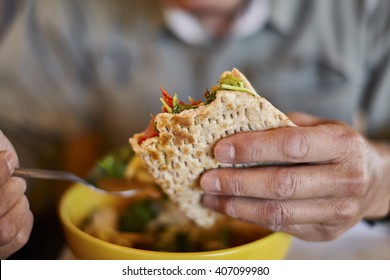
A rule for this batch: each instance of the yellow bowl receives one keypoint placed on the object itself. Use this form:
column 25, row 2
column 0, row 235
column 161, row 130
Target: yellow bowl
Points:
column 78, row 202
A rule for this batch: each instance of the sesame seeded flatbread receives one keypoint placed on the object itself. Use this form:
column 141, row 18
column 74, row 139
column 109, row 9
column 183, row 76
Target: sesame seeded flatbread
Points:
column 183, row 150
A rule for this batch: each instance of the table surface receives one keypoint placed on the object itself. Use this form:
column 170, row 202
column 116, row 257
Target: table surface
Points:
column 363, row 241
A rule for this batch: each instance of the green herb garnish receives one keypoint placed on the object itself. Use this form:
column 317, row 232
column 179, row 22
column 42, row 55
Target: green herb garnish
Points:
column 227, row 83
column 138, row 215
column 112, row 165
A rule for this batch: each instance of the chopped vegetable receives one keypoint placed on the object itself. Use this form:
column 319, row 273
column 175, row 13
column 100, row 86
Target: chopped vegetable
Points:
column 150, row 132
column 138, row 215
column 175, row 106
column 227, row 83
column 112, row 165
column 156, row 224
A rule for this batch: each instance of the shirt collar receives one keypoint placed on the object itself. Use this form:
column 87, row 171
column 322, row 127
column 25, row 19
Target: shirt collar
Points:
column 186, row 26
column 283, row 14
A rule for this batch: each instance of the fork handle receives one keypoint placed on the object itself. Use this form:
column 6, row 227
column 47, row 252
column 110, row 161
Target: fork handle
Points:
column 39, row 173
column 46, row 174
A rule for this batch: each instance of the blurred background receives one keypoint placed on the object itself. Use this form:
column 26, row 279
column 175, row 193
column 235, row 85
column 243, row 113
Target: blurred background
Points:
column 47, row 226
column 8, row 9
column 78, row 78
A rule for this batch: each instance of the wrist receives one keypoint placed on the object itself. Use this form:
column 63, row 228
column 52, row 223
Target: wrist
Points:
column 379, row 205
column 385, row 219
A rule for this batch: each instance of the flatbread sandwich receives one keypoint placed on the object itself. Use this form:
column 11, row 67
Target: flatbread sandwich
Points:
column 177, row 147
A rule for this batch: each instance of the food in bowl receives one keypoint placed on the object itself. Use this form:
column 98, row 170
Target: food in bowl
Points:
column 151, row 221
column 148, row 226
column 155, row 223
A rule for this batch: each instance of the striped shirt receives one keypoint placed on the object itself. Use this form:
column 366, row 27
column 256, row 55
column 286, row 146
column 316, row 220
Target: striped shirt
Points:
column 69, row 66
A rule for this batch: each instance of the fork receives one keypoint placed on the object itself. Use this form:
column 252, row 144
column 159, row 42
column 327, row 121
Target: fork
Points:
column 65, row 176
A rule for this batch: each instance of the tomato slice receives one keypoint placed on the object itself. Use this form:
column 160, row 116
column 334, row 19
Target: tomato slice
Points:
column 168, row 100
column 195, row 103
column 167, row 97
column 149, row 132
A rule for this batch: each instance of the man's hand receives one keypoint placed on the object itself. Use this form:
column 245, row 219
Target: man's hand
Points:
column 16, row 219
column 330, row 179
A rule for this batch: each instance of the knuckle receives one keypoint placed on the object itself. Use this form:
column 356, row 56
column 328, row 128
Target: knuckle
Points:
column 18, row 184
column 346, row 211
column 10, row 228
column 234, row 184
column 350, row 140
column 354, row 140
column 20, row 240
column 328, row 232
column 7, row 232
column 295, row 145
column 284, row 183
column 11, row 191
column 25, row 204
column 274, row 213
column 4, row 172
column 358, row 182
column 23, row 236
column 275, row 228
column 230, row 208
column 251, row 153
column 357, row 174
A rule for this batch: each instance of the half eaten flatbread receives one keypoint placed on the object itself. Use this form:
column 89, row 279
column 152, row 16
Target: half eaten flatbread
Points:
column 180, row 147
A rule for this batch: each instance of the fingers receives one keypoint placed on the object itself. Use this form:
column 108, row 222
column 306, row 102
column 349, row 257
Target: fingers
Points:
column 323, row 143
column 278, row 213
column 319, row 191
column 14, row 207
column 10, row 193
column 16, row 218
column 299, row 217
column 275, row 182
column 11, row 188
column 8, row 162
column 15, row 227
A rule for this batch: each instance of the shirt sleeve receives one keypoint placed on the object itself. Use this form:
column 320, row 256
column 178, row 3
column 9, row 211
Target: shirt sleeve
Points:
column 47, row 80
column 377, row 93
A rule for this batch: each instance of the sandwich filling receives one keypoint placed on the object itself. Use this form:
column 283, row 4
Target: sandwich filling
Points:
column 172, row 104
